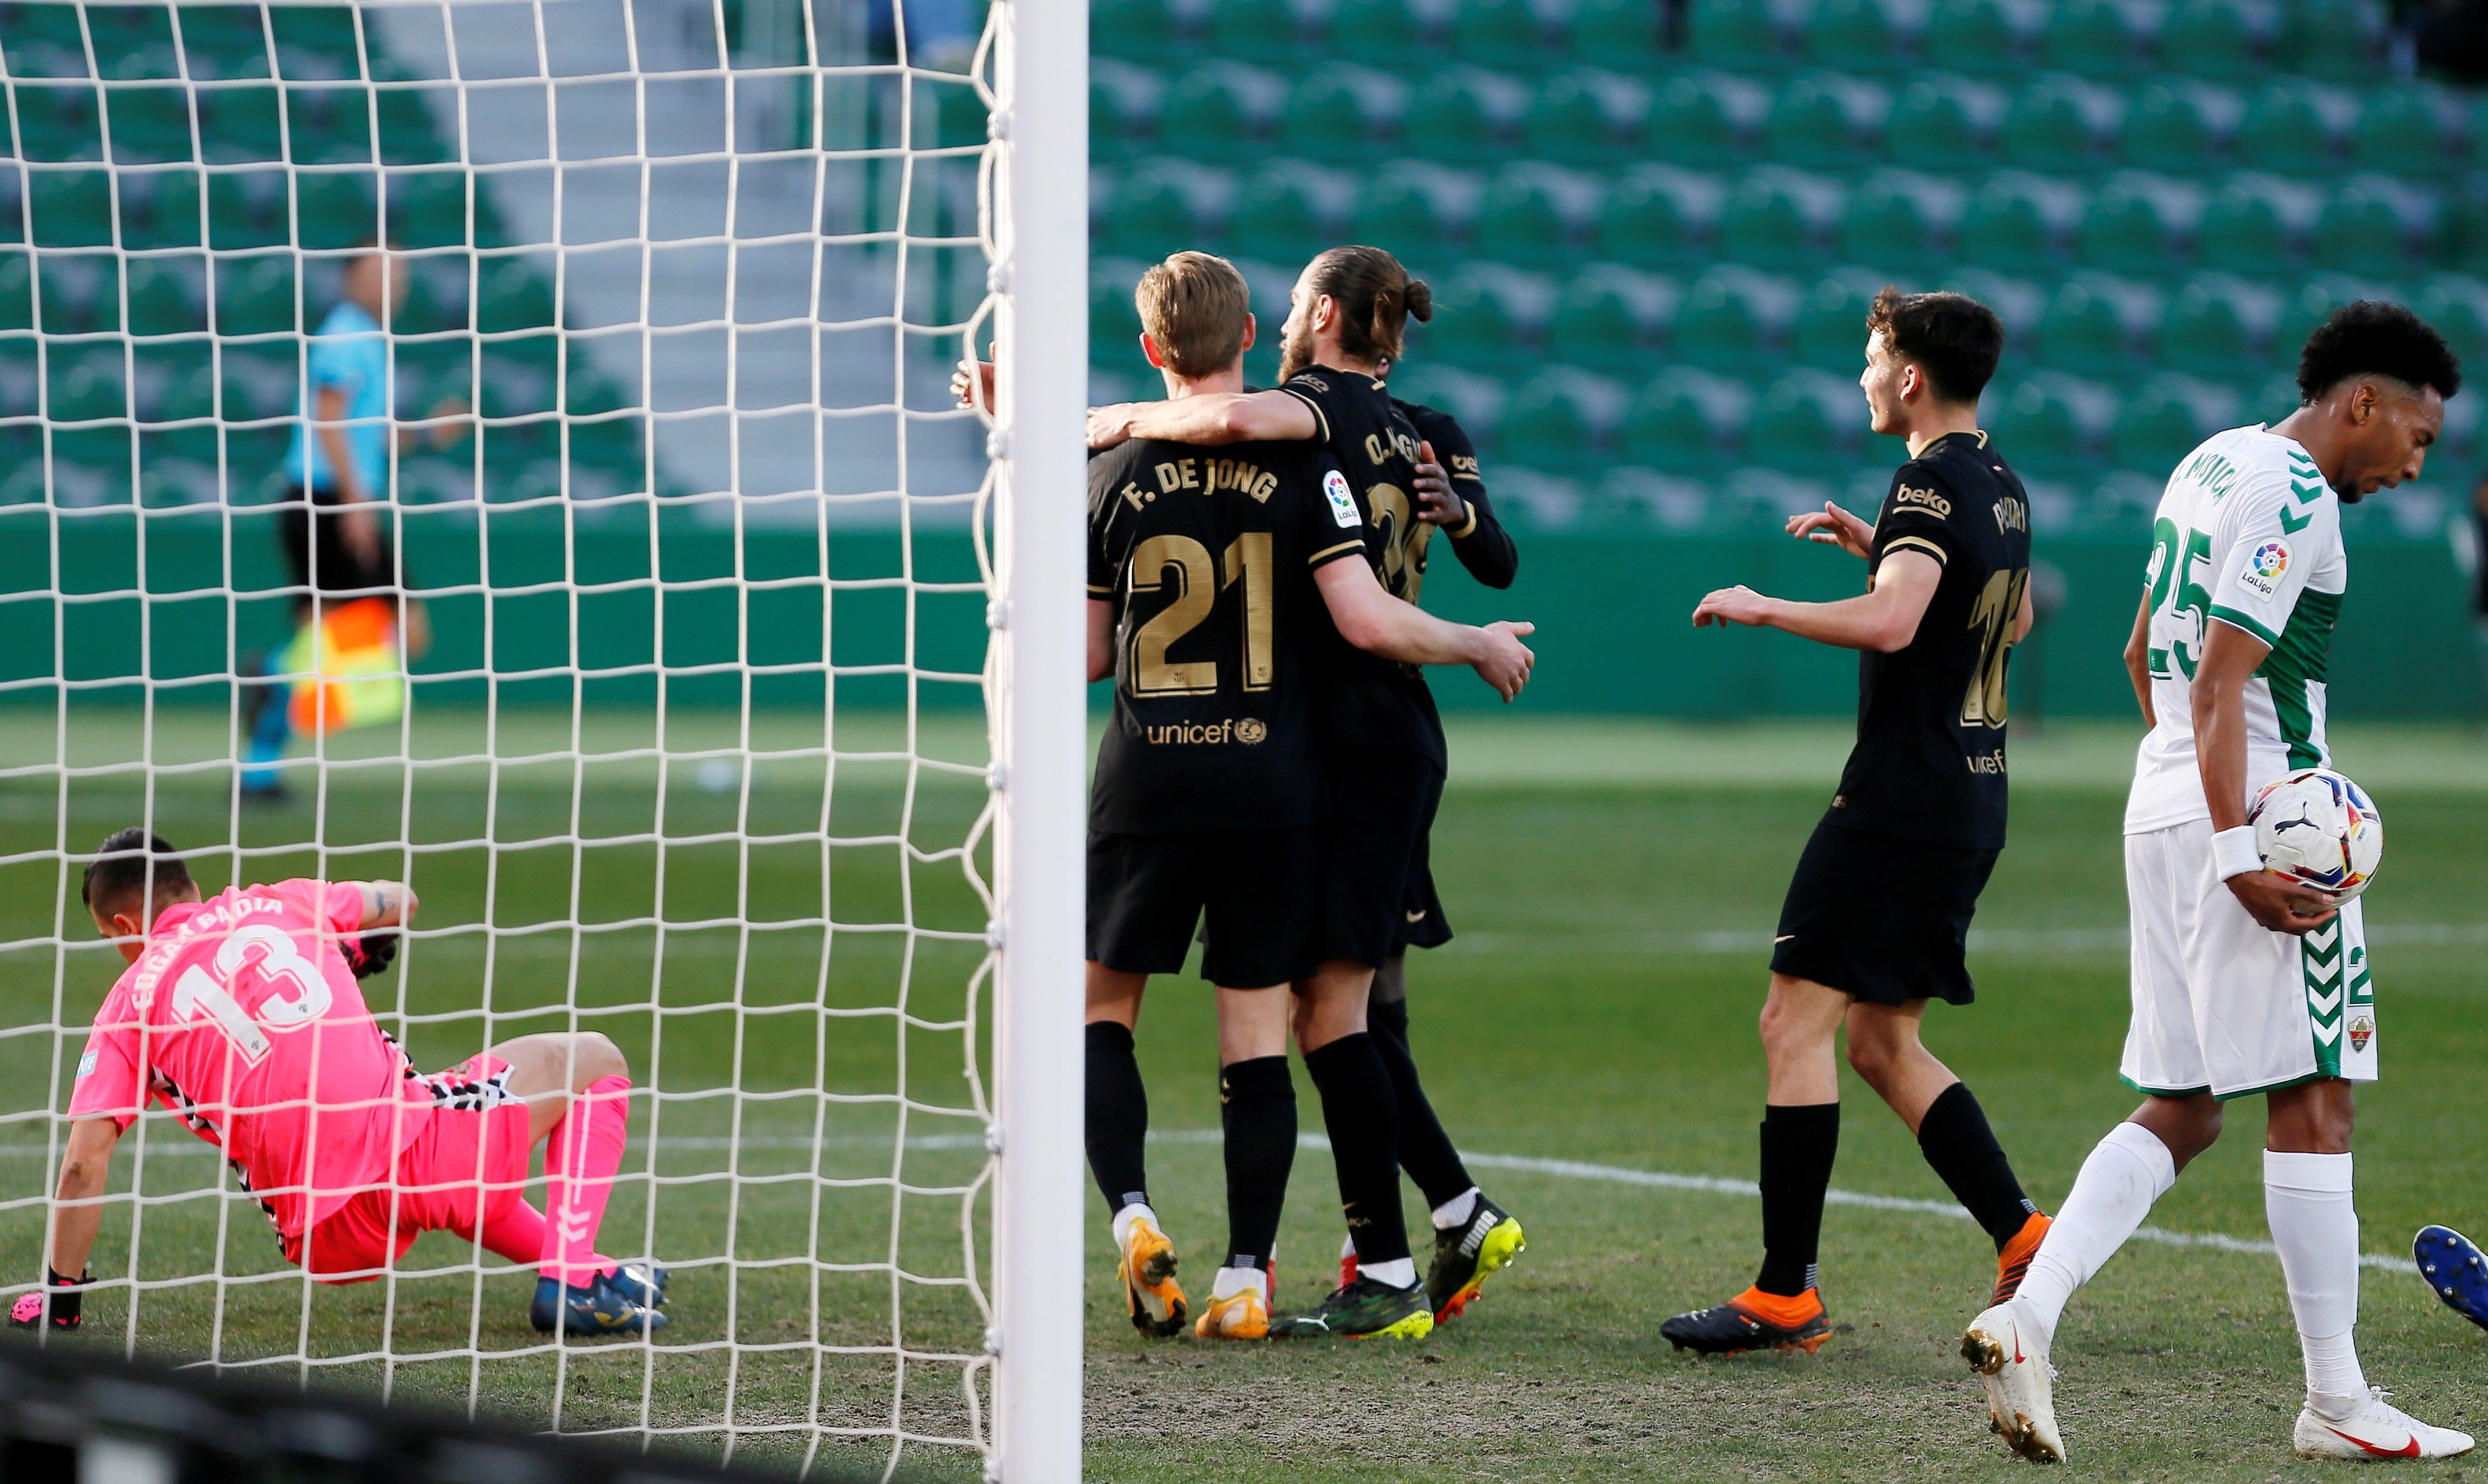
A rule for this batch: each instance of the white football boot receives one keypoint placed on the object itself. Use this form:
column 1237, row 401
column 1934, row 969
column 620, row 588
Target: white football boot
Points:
column 2011, row 1360
column 2376, row 1430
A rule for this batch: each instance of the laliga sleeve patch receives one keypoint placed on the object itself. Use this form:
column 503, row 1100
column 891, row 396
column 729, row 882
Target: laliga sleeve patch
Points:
column 2264, row 566
column 1342, row 505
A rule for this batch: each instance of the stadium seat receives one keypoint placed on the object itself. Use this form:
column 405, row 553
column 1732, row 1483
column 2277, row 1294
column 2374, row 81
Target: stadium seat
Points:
column 1827, row 121
column 2061, row 122
column 1392, row 29
column 328, row 125
column 78, row 293
column 1612, row 318
column 1660, row 214
column 2097, row 39
column 1477, row 401
column 1418, row 210
column 1342, row 112
column 1708, row 119
column 58, row 122
column 2409, row 128
column 1488, row 315
column 2297, row 127
column 314, row 42
column 2142, row 223
column 1832, row 323
column 16, row 296
column 2099, row 324
column 159, row 208
column 1123, row 104
column 2455, row 304
column 2018, row 222
column 2310, row 301
column 1807, row 420
column 2258, row 223
column 1900, row 219
column 2379, row 225
column 1617, row 32
column 247, row 208
column 1260, row 30
column 334, row 209
column 1167, row 206
column 149, row 125
column 1743, row 34
column 69, row 207
column 2220, row 325
column 1947, row 123
column 2052, row 424
column 1287, row 210
column 86, row 388
column 1874, row 36
column 2340, row 40
column 1687, row 419
column 1564, row 418
column 181, row 397
column 511, row 295
column 36, row 35
column 241, row 126
column 1734, row 316
column 1588, row 114
column 252, row 295
column 224, row 41
column 428, row 208
column 1220, row 111
column 2183, row 126
column 2216, row 38
column 2168, row 416
column 2020, row 303
column 167, row 295
column 410, row 136
column 1498, row 33
column 1466, row 115
column 1982, row 37
column 1537, row 213
column 1777, row 218
column 1137, row 29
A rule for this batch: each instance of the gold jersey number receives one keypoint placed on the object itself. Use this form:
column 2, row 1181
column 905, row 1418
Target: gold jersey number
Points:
column 1998, row 603
column 1185, row 564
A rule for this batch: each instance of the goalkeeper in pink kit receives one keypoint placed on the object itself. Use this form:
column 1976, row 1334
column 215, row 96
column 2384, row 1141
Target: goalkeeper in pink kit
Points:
column 243, row 1015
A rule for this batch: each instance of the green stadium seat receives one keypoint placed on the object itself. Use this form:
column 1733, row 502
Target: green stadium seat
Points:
column 86, row 388
column 159, row 208
column 2097, row 39
column 1827, row 120
column 2100, row 324
column 2183, row 126
column 150, row 124
column 1342, row 112
column 2379, row 225
column 2342, row 40
column 1741, row 34
column 2297, row 127
column 2259, row 223
column 58, row 121
column 247, row 208
column 38, row 37
column 259, row 383
column 1113, row 321
column 1864, row 34
column 224, row 41
column 2455, row 304
column 1808, row 420
column 1687, row 419
column 1564, row 418
column 1982, row 37
column 167, row 295
column 16, row 295
column 1138, row 29
column 1378, row 28
column 252, row 295
column 241, row 126
column 1780, row 217
column 12, row 206
column 2170, row 417
column 511, row 295
column 180, row 397
column 2220, row 325
column 1901, row 219
column 2051, row 424
column 2142, row 223
column 2409, row 128
column 1498, row 33
column 1217, row 112
column 134, row 41
column 77, row 292
column 1734, row 316
column 1263, row 29
column 69, row 207
column 1537, row 213
column 1617, row 32
column 317, row 41
column 1587, row 113
column 1660, row 214
column 1831, row 325
column 332, row 210
column 1947, row 123
column 2310, row 301
column 1487, row 315
column 1479, row 402
column 2216, row 39
column 428, row 208
column 2019, row 222
column 1466, row 115
column 1123, row 103
column 1287, row 210
column 410, row 134
column 2061, row 122
column 1419, row 210
column 1612, row 318
column 330, row 126
column 1708, row 119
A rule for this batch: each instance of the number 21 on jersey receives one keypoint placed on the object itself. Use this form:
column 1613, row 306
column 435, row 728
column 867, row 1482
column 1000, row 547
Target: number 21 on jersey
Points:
column 292, row 989
column 1185, row 564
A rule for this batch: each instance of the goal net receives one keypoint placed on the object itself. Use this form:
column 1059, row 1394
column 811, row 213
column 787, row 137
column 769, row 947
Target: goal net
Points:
column 687, row 674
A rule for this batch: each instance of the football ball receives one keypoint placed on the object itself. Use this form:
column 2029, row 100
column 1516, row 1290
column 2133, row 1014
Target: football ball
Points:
column 2318, row 828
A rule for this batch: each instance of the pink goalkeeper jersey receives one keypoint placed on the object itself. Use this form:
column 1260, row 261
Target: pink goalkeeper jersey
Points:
column 242, row 1018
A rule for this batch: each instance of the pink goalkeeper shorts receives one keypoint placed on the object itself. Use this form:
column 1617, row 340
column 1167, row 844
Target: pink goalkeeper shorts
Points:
column 471, row 1125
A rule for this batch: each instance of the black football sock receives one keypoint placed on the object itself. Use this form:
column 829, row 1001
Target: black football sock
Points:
column 1799, row 1143
column 1362, row 1116
column 1256, row 1103
column 1425, row 1151
column 1958, row 1143
column 1118, row 1117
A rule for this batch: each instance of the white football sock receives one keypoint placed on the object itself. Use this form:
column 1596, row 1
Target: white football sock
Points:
column 1346, row 1248
column 2315, row 1224
column 1123, row 1219
column 1399, row 1272
column 1232, row 1281
column 1456, row 1211
column 2128, row 1170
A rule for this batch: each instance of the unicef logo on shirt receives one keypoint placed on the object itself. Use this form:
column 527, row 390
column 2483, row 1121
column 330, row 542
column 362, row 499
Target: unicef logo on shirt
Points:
column 1250, row 731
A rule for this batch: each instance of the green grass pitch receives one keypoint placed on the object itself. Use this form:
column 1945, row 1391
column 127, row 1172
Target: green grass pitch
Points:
column 1614, row 884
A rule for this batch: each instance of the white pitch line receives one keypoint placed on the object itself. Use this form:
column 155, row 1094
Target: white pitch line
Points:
column 2005, row 941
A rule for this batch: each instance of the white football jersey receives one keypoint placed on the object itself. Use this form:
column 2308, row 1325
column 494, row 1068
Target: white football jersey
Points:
column 2249, row 534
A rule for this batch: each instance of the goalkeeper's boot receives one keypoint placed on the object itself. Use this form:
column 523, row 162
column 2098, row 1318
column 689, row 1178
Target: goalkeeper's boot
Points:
column 600, row 1307
column 1466, row 1255
column 2007, row 1351
column 1364, row 1310
column 2452, row 1265
column 1242, row 1315
column 2013, row 1263
column 1150, row 1292
column 2370, row 1428
column 1753, row 1319
column 643, row 1283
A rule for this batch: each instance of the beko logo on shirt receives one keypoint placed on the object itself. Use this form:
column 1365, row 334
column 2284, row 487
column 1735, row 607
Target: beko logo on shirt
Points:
column 2264, row 566
column 1342, row 505
column 1247, row 730
column 1926, row 498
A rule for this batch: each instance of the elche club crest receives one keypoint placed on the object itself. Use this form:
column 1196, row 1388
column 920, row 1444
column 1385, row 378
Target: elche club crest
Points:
column 2363, row 1030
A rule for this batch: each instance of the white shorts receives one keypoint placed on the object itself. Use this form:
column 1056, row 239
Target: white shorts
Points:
column 2221, row 1004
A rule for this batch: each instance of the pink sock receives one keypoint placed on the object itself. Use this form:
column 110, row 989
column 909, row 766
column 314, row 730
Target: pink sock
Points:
column 581, row 1158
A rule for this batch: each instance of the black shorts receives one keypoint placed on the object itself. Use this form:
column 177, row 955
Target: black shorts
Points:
column 1880, row 919
column 1373, row 848
column 1422, row 923
column 1257, row 888
column 311, row 528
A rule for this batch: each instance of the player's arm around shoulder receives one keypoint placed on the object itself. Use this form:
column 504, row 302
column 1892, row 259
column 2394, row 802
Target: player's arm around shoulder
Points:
column 1269, row 416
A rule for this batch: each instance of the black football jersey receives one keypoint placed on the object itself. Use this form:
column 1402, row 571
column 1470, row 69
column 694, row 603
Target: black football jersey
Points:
column 1372, row 702
column 1480, row 543
column 1207, row 555
column 1929, row 764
